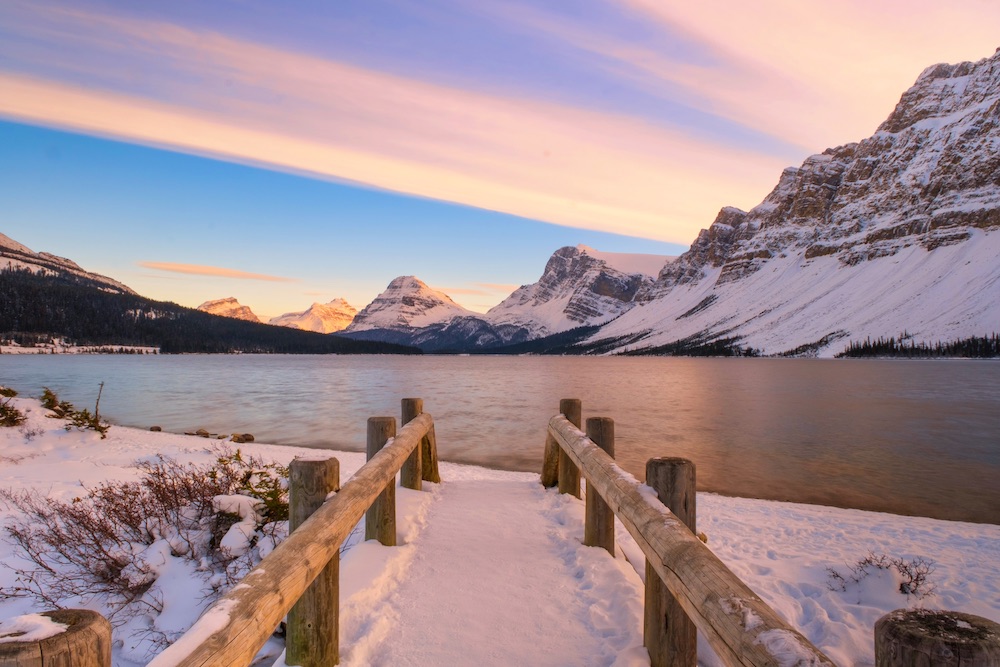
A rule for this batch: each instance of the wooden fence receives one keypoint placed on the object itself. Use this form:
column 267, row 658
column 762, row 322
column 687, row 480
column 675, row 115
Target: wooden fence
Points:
column 303, row 571
column 687, row 586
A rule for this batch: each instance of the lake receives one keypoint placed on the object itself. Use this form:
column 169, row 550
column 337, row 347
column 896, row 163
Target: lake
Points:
column 909, row 437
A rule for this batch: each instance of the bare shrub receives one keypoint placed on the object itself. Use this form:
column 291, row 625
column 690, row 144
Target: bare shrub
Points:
column 98, row 545
column 914, row 574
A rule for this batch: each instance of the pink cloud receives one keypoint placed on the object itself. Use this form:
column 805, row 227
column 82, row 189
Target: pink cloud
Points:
column 213, row 271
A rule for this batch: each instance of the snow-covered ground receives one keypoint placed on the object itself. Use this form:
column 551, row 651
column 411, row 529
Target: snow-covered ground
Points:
column 549, row 600
column 62, row 348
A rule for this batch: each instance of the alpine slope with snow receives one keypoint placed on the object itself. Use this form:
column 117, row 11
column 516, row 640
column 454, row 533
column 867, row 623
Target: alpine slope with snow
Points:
column 229, row 307
column 407, row 303
column 319, row 317
column 491, row 569
column 899, row 232
column 579, row 287
column 16, row 256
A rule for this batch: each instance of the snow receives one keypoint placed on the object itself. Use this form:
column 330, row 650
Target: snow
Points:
column 491, row 570
column 319, row 317
column 407, row 303
column 29, row 628
column 948, row 294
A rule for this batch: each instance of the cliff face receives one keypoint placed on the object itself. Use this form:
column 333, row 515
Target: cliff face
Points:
column 320, row 317
column 928, row 179
column 229, row 307
column 578, row 287
column 407, row 303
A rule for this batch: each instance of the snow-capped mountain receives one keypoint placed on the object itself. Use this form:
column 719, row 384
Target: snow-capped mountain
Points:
column 899, row 232
column 407, row 304
column 229, row 307
column 15, row 256
column 320, row 317
column 579, row 287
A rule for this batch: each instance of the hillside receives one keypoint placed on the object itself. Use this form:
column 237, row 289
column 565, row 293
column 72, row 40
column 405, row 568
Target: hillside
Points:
column 34, row 306
column 896, row 234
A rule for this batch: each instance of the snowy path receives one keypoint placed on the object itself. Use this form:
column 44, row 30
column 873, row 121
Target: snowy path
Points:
column 496, row 575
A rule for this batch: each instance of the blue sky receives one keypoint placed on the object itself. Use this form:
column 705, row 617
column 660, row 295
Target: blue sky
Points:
column 290, row 153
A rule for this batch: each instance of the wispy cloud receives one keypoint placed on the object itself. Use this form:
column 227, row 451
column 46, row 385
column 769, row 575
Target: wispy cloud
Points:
column 228, row 98
column 814, row 74
column 213, row 271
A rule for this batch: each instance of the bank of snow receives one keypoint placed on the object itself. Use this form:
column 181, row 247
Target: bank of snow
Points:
column 782, row 551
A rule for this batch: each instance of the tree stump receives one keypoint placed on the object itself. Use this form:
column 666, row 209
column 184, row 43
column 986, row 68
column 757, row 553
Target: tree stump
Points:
column 85, row 643
column 928, row 638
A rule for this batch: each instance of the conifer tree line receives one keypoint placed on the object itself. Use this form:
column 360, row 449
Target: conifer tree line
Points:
column 75, row 309
column 976, row 347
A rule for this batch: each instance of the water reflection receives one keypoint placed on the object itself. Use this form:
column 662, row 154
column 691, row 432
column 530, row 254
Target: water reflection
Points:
column 906, row 437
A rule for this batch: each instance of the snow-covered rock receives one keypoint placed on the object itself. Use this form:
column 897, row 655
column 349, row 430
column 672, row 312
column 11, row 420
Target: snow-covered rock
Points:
column 579, row 287
column 16, row 256
column 407, row 304
column 898, row 232
column 229, row 307
column 320, row 317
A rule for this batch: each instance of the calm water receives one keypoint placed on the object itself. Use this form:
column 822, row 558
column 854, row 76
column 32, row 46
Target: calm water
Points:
column 910, row 437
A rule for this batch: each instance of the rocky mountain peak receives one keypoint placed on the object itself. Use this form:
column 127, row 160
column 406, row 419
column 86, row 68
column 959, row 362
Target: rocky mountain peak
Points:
column 929, row 174
column 320, row 317
column 407, row 302
column 578, row 287
column 229, row 307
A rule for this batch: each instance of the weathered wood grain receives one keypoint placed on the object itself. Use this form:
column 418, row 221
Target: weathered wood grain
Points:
column 380, row 519
column 736, row 622
column 411, row 474
column 232, row 631
column 907, row 637
column 312, row 637
column 85, row 643
column 569, row 474
column 599, row 521
column 668, row 634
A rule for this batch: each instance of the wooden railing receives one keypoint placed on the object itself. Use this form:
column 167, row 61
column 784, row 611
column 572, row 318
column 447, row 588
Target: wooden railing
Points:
column 303, row 571
column 687, row 586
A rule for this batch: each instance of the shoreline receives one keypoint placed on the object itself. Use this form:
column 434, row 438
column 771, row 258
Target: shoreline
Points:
column 782, row 550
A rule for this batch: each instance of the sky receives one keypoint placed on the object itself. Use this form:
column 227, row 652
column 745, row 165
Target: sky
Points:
column 291, row 153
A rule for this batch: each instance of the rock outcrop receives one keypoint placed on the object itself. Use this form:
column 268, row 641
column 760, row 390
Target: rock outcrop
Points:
column 849, row 220
column 229, row 307
column 320, row 317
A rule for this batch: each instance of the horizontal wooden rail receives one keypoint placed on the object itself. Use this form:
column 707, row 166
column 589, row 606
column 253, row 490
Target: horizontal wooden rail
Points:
column 233, row 630
column 740, row 627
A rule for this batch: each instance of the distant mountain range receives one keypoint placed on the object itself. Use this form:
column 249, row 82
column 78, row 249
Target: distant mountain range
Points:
column 894, row 237
column 44, row 297
column 319, row 317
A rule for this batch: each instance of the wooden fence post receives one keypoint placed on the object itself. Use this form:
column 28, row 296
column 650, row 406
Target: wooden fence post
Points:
column 599, row 525
column 411, row 474
column 429, row 455
column 669, row 635
column 380, row 519
column 936, row 639
column 86, row 642
column 569, row 474
column 550, row 462
column 312, row 636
